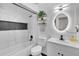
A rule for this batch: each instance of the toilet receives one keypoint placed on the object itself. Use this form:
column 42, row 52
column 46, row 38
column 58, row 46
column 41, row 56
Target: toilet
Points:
column 37, row 50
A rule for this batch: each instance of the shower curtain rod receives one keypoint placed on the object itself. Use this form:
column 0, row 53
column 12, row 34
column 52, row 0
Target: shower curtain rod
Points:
column 27, row 8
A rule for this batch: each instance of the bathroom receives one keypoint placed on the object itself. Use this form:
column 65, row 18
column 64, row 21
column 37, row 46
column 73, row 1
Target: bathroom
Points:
column 32, row 29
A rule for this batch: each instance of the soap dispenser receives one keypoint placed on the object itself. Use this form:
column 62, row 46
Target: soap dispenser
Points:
column 73, row 39
column 61, row 37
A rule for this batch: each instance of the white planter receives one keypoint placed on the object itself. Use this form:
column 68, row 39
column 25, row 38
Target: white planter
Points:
column 42, row 27
column 42, row 24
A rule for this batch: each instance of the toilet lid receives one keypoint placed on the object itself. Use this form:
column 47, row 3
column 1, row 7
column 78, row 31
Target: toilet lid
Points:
column 36, row 49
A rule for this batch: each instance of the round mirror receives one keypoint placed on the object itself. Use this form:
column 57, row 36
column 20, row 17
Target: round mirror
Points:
column 61, row 22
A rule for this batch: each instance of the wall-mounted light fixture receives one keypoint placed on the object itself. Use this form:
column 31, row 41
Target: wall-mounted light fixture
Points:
column 61, row 7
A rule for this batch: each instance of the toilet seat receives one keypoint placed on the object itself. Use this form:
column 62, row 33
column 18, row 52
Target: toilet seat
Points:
column 36, row 50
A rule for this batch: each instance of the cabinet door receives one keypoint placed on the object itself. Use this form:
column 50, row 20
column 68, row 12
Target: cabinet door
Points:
column 52, row 50
column 68, row 51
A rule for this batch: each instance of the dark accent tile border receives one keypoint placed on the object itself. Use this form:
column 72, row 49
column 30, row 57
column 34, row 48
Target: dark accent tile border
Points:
column 8, row 25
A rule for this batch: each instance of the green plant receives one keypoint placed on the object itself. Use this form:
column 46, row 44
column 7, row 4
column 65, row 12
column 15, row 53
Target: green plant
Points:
column 41, row 14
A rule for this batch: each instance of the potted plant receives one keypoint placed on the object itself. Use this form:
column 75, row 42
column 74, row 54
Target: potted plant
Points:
column 41, row 15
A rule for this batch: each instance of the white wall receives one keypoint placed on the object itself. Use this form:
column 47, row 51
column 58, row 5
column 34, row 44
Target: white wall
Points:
column 72, row 12
column 11, row 38
column 32, row 6
column 77, row 13
column 33, row 27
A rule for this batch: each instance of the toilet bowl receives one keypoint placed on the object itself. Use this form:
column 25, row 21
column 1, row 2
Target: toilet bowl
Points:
column 36, row 51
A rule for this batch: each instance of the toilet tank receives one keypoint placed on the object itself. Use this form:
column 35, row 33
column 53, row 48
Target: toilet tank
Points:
column 41, row 41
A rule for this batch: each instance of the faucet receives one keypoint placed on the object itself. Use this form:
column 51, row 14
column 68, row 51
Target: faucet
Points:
column 61, row 37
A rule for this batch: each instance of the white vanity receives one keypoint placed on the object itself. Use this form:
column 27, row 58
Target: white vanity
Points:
column 57, row 47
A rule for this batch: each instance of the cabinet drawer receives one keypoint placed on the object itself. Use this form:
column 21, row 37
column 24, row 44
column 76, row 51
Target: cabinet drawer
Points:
column 68, row 51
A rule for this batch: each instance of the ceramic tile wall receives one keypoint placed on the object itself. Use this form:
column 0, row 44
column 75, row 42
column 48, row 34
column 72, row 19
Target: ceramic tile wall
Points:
column 13, row 40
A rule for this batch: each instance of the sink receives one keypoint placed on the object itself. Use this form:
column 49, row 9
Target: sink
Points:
column 63, row 42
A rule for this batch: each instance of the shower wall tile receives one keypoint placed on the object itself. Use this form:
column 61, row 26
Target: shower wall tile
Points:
column 4, row 37
column 3, row 45
column 21, row 36
column 12, row 41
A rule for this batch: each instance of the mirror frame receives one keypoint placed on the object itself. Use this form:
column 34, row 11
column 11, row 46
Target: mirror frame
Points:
column 68, row 26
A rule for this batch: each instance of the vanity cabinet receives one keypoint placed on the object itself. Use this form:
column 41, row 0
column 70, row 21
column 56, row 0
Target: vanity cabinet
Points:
column 51, row 50
column 55, row 49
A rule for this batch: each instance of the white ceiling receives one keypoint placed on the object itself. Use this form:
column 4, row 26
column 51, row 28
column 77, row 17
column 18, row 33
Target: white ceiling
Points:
column 47, row 7
column 31, row 6
column 42, row 6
